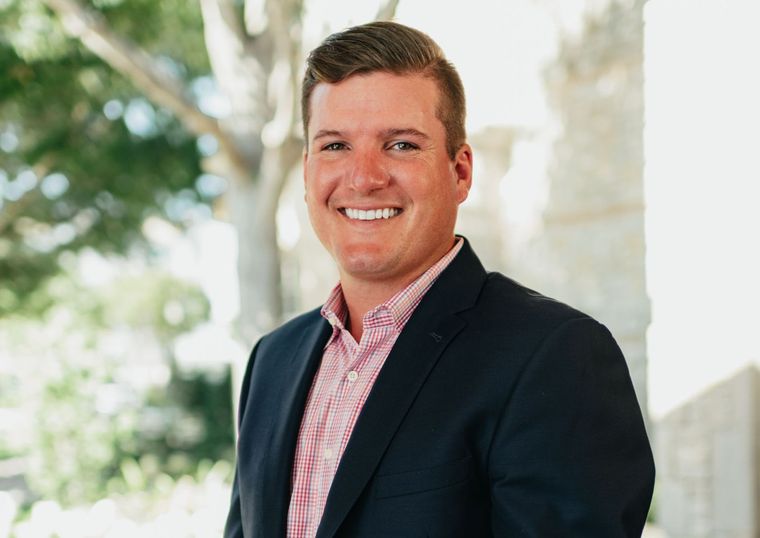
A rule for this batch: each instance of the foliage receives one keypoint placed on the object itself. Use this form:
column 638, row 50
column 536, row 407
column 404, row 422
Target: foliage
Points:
column 150, row 301
column 199, row 420
column 85, row 162
column 78, row 448
column 96, row 439
column 107, row 397
column 190, row 506
column 84, row 158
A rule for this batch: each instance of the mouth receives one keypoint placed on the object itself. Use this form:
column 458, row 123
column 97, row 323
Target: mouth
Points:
column 370, row 214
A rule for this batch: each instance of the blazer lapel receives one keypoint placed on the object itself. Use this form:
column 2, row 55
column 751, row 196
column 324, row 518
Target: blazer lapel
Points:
column 427, row 334
column 295, row 383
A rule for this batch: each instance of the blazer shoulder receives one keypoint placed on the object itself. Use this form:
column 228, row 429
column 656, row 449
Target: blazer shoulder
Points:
column 506, row 300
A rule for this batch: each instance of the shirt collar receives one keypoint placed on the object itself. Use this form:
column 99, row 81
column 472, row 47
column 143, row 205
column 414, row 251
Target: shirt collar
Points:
column 398, row 309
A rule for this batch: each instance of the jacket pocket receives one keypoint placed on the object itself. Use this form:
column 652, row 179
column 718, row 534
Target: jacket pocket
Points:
column 431, row 478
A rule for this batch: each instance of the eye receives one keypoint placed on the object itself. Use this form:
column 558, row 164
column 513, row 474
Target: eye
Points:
column 403, row 146
column 334, row 146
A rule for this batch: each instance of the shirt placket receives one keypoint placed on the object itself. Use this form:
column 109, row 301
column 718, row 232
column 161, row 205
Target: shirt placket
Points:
column 334, row 423
column 359, row 377
column 319, row 434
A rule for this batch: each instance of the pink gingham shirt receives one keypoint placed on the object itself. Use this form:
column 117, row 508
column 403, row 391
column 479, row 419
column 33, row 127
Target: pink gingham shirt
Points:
column 340, row 388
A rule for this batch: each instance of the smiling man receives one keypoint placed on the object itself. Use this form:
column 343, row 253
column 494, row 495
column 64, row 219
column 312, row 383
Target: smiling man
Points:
column 426, row 397
column 381, row 188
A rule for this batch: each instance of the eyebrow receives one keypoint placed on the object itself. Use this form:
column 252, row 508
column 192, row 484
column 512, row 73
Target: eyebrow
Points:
column 388, row 133
column 322, row 133
column 407, row 131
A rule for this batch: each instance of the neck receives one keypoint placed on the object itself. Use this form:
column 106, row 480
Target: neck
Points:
column 362, row 296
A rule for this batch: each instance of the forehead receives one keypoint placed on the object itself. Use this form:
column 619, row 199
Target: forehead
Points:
column 377, row 99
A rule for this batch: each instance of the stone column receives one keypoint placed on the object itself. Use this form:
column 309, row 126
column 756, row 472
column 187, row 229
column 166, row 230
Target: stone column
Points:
column 589, row 247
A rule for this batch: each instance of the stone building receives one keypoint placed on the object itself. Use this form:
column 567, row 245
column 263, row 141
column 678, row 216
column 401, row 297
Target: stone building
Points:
column 708, row 462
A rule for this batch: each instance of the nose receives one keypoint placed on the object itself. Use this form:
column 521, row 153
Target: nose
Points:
column 367, row 172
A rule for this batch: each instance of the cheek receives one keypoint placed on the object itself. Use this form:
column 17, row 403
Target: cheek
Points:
column 319, row 184
column 437, row 193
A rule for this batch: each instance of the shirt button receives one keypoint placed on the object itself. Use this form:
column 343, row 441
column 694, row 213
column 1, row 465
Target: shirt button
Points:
column 352, row 376
column 328, row 453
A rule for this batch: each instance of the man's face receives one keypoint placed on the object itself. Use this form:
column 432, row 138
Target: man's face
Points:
column 381, row 189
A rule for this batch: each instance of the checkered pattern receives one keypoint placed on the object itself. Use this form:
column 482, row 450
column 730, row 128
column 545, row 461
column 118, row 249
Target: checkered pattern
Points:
column 340, row 388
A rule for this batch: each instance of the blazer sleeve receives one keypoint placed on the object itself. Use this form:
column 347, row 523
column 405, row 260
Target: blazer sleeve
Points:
column 233, row 528
column 570, row 456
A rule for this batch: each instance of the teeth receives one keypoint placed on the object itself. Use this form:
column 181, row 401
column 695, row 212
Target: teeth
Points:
column 371, row 214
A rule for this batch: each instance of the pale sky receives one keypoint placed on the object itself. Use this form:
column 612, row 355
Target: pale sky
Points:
column 703, row 193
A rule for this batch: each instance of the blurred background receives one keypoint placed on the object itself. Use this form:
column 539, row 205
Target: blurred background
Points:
column 152, row 227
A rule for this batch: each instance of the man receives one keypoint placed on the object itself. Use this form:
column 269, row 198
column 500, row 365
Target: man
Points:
column 426, row 397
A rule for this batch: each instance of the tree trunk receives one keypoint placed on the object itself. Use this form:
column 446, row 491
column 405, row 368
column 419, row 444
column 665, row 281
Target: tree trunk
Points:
column 258, row 260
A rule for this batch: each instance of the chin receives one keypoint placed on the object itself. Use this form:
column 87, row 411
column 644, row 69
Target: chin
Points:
column 362, row 266
column 366, row 263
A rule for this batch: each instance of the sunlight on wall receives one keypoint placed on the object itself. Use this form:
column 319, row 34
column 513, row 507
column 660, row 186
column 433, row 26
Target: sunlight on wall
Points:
column 703, row 193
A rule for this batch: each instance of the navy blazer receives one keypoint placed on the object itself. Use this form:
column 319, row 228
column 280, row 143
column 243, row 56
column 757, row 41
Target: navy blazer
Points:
column 499, row 412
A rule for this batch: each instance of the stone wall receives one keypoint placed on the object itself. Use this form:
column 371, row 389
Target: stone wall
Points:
column 707, row 453
column 589, row 248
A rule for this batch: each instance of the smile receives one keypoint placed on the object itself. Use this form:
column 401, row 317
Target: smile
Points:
column 370, row 214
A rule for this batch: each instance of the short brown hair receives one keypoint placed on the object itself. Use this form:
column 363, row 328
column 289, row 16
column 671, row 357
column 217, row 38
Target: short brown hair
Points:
column 395, row 48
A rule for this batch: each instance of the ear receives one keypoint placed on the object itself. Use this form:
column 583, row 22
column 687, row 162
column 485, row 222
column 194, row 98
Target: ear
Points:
column 463, row 171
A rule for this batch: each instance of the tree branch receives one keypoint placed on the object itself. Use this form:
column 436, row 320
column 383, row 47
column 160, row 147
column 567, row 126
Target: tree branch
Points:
column 160, row 86
column 284, row 18
column 232, row 19
column 276, row 167
column 387, row 11
column 255, row 16
column 241, row 76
